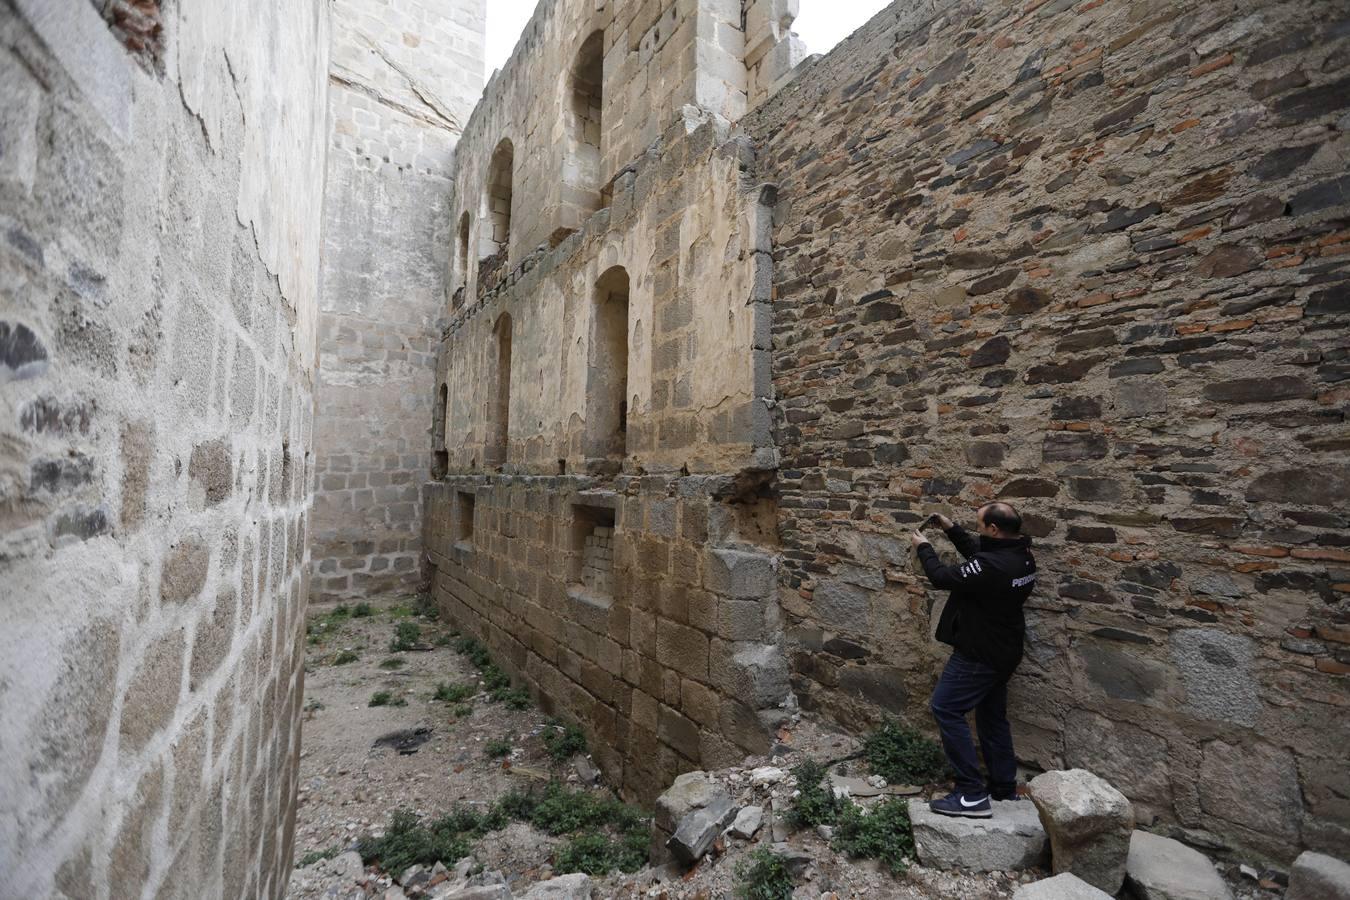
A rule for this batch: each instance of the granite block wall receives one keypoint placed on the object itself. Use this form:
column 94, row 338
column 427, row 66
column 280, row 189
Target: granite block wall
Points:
column 669, row 663
column 160, row 181
column 401, row 83
column 1088, row 257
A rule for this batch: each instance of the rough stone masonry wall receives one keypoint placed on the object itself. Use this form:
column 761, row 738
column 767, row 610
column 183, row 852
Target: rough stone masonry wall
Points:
column 160, row 210
column 676, row 668
column 1089, row 257
column 402, row 81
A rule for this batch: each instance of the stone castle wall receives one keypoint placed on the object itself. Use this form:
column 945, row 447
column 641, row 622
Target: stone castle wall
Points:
column 1088, row 257
column 654, row 59
column 402, row 81
column 160, row 202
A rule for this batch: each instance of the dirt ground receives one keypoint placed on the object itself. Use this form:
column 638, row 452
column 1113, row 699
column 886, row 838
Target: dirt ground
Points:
column 349, row 786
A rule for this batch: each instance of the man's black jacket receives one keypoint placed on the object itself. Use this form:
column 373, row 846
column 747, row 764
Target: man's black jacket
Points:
column 983, row 616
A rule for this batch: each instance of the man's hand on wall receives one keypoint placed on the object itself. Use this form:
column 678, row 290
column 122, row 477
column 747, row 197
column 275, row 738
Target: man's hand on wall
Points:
column 944, row 523
column 917, row 538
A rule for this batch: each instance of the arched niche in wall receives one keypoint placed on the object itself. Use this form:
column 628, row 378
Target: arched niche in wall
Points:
column 499, row 397
column 440, row 456
column 462, row 247
column 494, row 228
column 583, row 106
column 607, row 374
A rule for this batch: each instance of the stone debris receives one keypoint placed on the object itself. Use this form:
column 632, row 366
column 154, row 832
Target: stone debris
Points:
column 699, row 828
column 576, row 886
column 847, row 786
column 1065, row 886
column 1089, row 823
column 1316, row 876
column 747, row 822
column 1013, row 838
column 1160, row 868
column 765, row 775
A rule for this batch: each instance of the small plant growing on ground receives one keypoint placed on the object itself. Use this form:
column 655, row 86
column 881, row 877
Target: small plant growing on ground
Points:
column 453, row 693
column 443, row 640
column 384, row 698
column 346, row 656
column 514, row 698
column 497, row 748
column 426, row 607
column 405, row 637
column 763, row 876
column 563, row 741
column 407, row 841
column 883, row 833
column 392, row 662
column 902, row 755
column 362, row 611
column 463, row 710
column 325, row 626
column 314, row 856
column 816, row 803
column 313, row 706
column 401, row 611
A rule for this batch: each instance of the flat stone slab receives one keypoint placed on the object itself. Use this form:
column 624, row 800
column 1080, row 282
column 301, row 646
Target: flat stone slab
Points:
column 576, row 886
column 846, row 786
column 1012, row 839
column 1316, row 876
column 1066, row 886
column 1160, row 868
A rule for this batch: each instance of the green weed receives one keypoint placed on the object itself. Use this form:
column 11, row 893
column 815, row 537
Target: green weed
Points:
column 346, row 656
column 406, row 635
column 563, row 741
column 882, row 833
column 463, row 710
column 902, row 755
column 312, row 857
column 763, row 876
column 497, row 748
column 363, row 611
column 401, row 611
column 816, row 803
column 392, row 662
column 453, row 693
column 384, row 698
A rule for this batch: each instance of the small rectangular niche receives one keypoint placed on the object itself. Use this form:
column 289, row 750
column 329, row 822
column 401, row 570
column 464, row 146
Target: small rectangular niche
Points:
column 592, row 557
column 464, row 503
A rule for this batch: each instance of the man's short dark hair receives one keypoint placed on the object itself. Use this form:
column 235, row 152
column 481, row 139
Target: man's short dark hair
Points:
column 1002, row 516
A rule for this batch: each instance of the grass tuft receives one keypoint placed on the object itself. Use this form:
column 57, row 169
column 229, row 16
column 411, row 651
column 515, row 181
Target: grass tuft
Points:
column 763, row 876
column 314, row 856
column 346, row 656
column 392, row 662
column 883, row 833
column 497, row 748
column 384, row 698
column 406, row 635
column 453, row 693
column 363, row 611
column 816, row 803
column 562, row 742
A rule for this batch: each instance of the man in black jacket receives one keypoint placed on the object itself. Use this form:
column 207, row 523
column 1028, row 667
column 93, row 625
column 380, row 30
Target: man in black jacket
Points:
column 983, row 622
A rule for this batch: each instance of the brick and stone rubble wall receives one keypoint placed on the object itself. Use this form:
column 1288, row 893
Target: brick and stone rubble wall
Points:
column 158, row 277
column 402, row 81
column 658, row 57
column 1089, row 257
column 691, row 232
column 679, row 667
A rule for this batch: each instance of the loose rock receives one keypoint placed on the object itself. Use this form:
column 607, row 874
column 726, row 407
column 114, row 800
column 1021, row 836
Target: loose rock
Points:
column 1065, row 886
column 1160, row 868
column 747, row 822
column 1316, row 876
column 1089, row 823
column 576, row 886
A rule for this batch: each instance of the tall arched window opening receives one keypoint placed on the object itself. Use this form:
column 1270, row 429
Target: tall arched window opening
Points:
column 463, row 256
column 607, row 373
column 499, row 417
column 585, row 127
column 495, row 229
column 440, row 456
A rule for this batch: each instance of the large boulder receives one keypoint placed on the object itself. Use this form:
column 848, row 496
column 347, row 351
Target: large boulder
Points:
column 1089, row 824
column 1061, row 887
column 576, row 886
column 1012, row 839
column 1160, row 868
column 689, row 817
column 1316, row 876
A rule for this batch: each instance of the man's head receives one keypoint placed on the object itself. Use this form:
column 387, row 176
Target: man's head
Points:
column 998, row 520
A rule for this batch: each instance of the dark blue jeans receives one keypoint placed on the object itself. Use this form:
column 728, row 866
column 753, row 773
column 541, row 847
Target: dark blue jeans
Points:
column 965, row 685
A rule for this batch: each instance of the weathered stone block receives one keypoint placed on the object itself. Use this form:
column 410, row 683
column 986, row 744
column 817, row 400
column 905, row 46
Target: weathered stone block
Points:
column 740, row 575
column 1064, row 886
column 1012, row 838
column 1316, row 876
column 1089, row 823
column 1160, row 868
